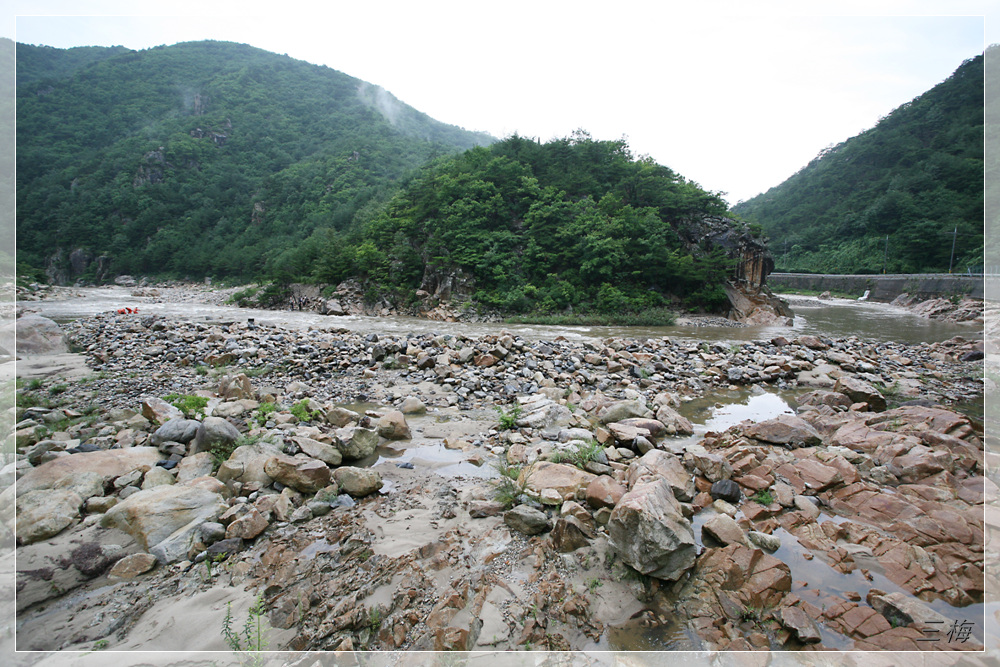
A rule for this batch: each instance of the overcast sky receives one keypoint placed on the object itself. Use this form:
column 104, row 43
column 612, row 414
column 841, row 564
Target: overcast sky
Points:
column 734, row 95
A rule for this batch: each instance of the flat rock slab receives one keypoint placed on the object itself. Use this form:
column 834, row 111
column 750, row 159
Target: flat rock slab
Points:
column 785, row 430
column 163, row 513
column 568, row 481
column 110, row 463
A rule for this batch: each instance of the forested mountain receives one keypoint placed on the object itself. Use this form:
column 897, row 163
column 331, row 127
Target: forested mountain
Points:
column 915, row 178
column 202, row 158
column 526, row 226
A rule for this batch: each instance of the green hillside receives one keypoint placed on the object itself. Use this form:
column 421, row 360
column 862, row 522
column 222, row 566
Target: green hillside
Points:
column 915, row 178
column 203, row 158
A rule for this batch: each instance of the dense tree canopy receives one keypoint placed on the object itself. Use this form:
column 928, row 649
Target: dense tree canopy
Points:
column 916, row 178
column 573, row 222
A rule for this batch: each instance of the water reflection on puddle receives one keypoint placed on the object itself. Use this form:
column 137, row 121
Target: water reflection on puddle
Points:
column 443, row 461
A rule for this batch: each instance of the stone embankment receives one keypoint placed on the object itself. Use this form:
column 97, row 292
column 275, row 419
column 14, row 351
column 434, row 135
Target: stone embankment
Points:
column 367, row 489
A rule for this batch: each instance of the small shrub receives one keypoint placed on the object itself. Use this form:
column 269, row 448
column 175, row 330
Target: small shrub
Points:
column 254, row 635
column 507, row 490
column 191, row 406
column 374, row 619
column 58, row 389
column 265, row 411
column 508, row 418
column 302, row 412
column 763, row 497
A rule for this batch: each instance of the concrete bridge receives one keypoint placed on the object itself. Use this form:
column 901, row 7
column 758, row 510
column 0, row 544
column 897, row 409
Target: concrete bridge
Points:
column 886, row 287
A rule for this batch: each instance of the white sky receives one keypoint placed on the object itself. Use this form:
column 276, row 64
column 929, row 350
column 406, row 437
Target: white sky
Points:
column 736, row 95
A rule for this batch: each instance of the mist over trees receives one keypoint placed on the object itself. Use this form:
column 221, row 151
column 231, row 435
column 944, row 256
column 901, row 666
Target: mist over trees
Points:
column 203, row 158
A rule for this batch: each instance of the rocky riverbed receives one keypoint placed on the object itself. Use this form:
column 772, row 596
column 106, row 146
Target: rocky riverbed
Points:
column 442, row 492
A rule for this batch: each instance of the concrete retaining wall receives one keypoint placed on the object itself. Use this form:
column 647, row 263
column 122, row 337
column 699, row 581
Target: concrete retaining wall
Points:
column 883, row 287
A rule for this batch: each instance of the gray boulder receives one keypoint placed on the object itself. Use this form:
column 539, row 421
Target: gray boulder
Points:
column 246, row 465
column 37, row 335
column 527, row 520
column 658, row 464
column 44, row 513
column 164, row 520
column 785, row 430
column 620, row 410
column 649, row 532
column 357, row 482
column 214, row 431
column 175, row 430
column 356, row 443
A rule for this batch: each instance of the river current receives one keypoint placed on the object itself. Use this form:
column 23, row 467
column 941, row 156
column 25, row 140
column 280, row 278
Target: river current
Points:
column 837, row 318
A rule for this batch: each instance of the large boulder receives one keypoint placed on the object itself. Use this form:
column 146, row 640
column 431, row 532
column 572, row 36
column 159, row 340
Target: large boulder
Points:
column 307, row 475
column 527, row 520
column 340, row 417
column 566, row 481
column 38, row 335
column 355, row 442
column 175, row 430
column 674, row 422
column 214, row 432
column 392, row 426
column 710, row 465
column 44, row 513
column 649, row 532
column 164, row 520
column 357, row 482
column 246, row 464
column 860, row 391
column 604, row 491
column 328, row 454
column 616, row 412
column 159, row 411
column 108, row 463
column 544, row 414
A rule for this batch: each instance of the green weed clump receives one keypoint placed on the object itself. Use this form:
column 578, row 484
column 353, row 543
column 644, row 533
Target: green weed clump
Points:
column 509, row 486
column 302, row 412
column 253, row 638
column 580, row 455
column 508, row 418
column 264, row 412
column 191, row 406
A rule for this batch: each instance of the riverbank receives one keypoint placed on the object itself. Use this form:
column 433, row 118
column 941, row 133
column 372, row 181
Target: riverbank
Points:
column 364, row 506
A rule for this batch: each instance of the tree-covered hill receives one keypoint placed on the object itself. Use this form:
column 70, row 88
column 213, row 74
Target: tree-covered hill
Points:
column 203, row 158
column 525, row 226
column 915, row 178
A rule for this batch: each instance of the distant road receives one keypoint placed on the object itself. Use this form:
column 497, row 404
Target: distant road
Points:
column 886, row 287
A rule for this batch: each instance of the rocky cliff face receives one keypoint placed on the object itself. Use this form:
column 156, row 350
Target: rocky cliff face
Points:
column 63, row 270
column 750, row 299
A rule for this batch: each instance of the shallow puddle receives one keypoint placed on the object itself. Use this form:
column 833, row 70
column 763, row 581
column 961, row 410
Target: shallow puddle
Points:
column 435, row 456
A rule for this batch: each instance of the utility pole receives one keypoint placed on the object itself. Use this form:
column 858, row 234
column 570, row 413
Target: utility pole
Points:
column 885, row 258
column 954, row 237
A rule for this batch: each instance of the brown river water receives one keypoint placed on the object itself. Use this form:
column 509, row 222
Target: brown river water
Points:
column 835, row 318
